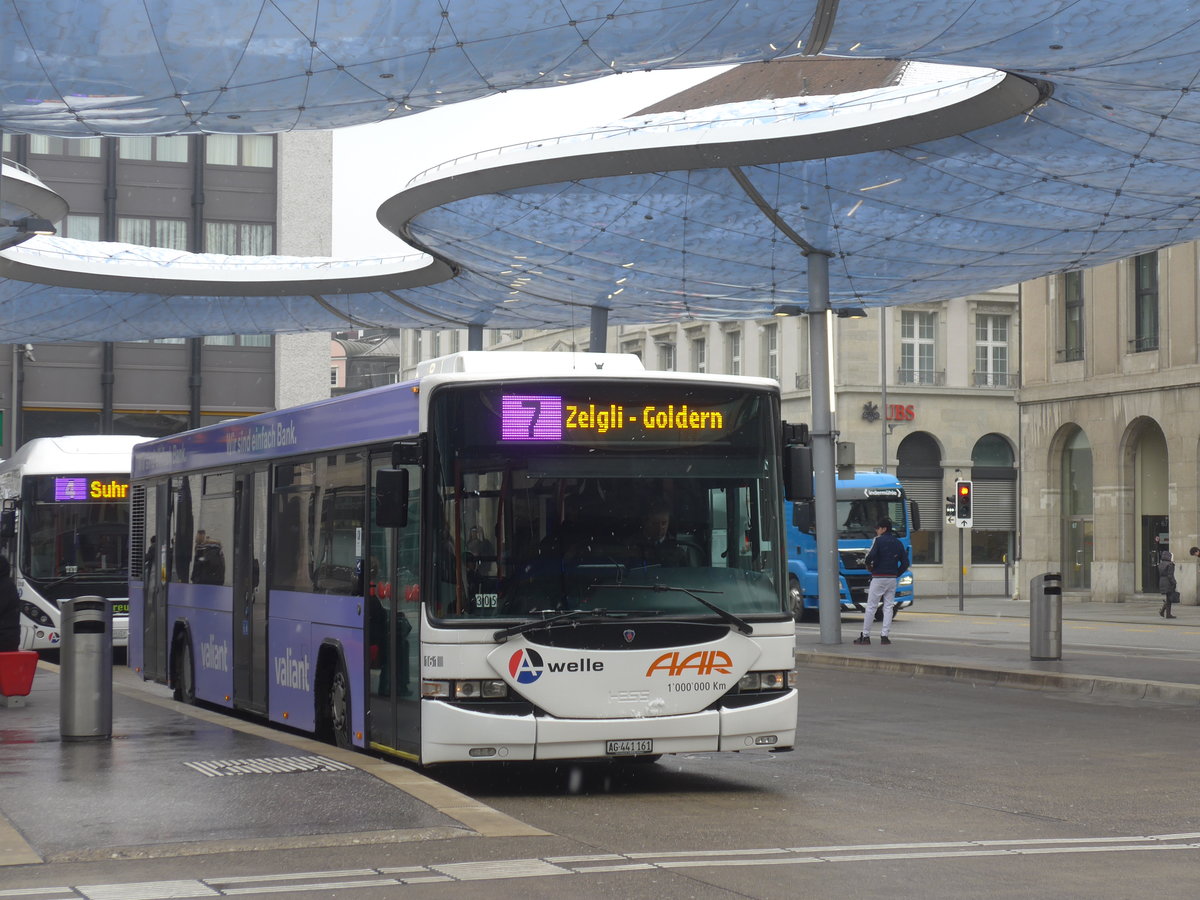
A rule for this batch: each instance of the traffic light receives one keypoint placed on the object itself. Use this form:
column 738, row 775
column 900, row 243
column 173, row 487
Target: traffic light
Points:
column 950, row 510
column 962, row 503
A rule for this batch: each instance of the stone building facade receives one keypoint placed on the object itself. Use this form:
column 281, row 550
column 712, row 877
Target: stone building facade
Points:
column 1109, row 408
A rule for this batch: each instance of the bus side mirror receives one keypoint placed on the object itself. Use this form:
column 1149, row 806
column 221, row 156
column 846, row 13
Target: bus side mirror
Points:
column 391, row 498
column 797, row 472
column 914, row 516
column 8, row 524
column 802, row 515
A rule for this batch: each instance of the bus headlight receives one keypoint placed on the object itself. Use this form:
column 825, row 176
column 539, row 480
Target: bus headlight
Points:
column 435, row 690
column 488, row 688
column 905, row 580
column 37, row 614
column 763, row 681
column 469, row 689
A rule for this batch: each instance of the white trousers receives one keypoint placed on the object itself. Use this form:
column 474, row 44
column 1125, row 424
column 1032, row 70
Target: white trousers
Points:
column 885, row 589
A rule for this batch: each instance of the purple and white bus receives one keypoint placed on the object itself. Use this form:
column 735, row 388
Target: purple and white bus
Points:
column 458, row 568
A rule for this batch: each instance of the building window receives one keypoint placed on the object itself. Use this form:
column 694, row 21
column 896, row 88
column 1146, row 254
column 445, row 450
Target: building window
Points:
column 803, row 369
column 45, row 145
column 237, row 340
column 991, row 351
column 333, row 376
column 252, row 150
column 455, row 341
column 1145, row 303
column 917, row 336
column 239, row 238
column 1077, row 518
column 770, row 351
column 1072, row 317
column 80, row 227
column 666, row 355
column 169, row 233
column 699, row 355
column 919, row 467
column 733, row 352
column 994, row 532
column 161, row 149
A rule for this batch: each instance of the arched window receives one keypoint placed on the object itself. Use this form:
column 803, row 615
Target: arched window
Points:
column 1077, row 512
column 920, row 471
column 994, row 513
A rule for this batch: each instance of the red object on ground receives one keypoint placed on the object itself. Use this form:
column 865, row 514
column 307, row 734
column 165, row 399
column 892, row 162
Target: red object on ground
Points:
column 16, row 672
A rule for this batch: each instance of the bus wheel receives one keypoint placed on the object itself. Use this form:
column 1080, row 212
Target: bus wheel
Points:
column 338, row 707
column 184, row 675
column 796, row 599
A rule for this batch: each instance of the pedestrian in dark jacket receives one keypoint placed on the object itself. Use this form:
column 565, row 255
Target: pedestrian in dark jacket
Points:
column 1166, row 583
column 887, row 560
column 10, row 610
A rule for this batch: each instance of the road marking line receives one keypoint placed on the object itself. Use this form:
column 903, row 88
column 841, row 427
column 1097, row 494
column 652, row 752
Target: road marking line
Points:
column 602, row 863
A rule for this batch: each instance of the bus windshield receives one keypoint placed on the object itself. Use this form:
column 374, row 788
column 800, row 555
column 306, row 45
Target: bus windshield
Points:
column 634, row 523
column 74, row 527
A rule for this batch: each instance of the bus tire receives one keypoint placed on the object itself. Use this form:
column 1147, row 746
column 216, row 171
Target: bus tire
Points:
column 184, row 675
column 337, row 708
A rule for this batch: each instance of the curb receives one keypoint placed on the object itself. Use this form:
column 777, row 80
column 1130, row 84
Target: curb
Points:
column 1098, row 686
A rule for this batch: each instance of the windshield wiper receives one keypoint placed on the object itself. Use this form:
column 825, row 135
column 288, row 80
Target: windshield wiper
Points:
column 505, row 633
column 740, row 624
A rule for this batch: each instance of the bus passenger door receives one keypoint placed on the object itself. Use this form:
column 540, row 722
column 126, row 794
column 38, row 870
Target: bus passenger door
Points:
column 250, row 591
column 155, row 562
column 392, row 622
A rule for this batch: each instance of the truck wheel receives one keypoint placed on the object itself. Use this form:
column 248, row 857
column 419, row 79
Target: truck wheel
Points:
column 796, row 599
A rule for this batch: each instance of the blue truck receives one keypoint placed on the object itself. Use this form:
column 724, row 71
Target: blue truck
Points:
column 861, row 502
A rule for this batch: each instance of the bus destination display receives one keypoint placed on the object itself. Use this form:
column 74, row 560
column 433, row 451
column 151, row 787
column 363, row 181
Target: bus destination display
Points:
column 557, row 418
column 73, row 489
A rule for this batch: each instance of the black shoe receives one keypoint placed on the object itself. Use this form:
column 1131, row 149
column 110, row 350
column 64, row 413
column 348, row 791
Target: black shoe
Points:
column 1163, row 611
column 862, row 639
column 885, row 640
column 1169, row 616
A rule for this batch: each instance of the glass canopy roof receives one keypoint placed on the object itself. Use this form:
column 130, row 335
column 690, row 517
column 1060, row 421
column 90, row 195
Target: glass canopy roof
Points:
column 1051, row 136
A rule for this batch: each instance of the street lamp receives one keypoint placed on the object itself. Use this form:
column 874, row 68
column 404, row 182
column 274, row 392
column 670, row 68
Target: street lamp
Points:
column 25, row 228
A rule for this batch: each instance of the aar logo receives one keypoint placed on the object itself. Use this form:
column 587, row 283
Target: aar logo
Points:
column 525, row 666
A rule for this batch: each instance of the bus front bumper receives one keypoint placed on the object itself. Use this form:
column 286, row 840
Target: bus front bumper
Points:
column 453, row 734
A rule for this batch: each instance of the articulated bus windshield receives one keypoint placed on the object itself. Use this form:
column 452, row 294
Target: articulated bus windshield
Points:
column 75, row 527
column 618, row 498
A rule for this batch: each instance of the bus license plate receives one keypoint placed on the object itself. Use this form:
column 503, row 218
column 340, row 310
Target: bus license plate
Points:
column 628, row 748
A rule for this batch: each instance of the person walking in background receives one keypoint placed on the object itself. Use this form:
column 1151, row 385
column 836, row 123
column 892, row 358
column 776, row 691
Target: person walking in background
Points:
column 887, row 560
column 1166, row 583
column 10, row 610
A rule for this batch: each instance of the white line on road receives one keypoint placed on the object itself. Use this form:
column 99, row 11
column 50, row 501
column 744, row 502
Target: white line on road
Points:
column 603, row 863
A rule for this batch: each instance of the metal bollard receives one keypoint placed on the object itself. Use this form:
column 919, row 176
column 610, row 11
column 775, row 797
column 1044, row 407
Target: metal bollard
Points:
column 1045, row 616
column 85, row 670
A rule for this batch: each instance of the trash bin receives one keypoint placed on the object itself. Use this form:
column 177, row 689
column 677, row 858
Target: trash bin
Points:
column 85, row 670
column 1045, row 616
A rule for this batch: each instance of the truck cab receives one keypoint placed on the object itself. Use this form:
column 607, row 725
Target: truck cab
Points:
column 861, row 502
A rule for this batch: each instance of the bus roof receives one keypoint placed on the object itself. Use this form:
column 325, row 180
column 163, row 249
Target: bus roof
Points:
column 386, row 413
column 74, row 453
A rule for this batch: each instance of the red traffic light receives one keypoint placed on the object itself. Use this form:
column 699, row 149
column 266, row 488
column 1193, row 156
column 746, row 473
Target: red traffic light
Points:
column 962, row 509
